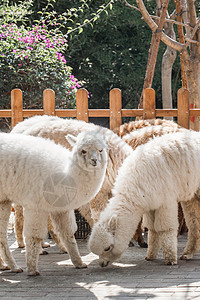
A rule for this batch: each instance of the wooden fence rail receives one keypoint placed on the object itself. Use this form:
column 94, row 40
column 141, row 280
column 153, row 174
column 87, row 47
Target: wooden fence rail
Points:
column 115, row 112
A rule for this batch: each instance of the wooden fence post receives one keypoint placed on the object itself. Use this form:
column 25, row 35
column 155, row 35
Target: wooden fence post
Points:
column 183, row 107
column 16, row 107
column 115, row 108
column 149, row 105
column 49, row 102
column 82, row 105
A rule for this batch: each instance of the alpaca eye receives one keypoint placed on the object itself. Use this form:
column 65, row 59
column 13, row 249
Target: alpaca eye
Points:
column 83, row 152
column 101, row 150
column 107, row 249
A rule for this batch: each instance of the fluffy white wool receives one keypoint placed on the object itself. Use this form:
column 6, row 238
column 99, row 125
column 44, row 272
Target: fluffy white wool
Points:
column 56, row 128
column 151, row 181
column 47, row 178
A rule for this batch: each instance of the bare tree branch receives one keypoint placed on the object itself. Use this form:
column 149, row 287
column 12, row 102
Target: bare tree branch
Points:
column 182, row 40
column 153, row 52
column 166, row 39
column 191, row 41
column 192, row 13
column 132, row 6
column 169, row 20
column 195, row 29
column 172, row 21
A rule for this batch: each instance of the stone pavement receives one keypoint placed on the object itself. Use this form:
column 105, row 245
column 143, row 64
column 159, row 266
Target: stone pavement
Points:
column 131, row 277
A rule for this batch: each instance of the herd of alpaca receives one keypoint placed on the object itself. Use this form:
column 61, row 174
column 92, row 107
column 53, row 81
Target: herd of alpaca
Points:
column 56, row 129
column 147, row 182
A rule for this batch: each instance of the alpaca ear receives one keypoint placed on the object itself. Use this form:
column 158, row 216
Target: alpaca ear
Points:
column 112, row 224
column 71, row 139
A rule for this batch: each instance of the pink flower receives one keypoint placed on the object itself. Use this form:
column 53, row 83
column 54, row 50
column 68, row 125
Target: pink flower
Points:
column 72, row 78
column 14, row 51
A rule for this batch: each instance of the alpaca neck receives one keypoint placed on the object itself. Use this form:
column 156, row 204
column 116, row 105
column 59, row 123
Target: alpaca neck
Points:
column 86, row 183
column 128, row 219
column 128, row 223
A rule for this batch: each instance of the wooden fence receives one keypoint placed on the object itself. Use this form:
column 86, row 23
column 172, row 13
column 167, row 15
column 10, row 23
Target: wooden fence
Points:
column 115, row 112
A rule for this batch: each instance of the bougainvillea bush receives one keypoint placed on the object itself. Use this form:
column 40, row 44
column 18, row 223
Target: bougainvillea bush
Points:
column 31, row 58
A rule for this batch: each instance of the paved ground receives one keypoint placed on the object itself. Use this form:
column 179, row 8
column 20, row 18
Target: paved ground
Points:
column 131, row 277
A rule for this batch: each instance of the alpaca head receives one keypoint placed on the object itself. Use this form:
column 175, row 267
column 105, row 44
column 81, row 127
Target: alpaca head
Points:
column 103, row 241
column 89, row 150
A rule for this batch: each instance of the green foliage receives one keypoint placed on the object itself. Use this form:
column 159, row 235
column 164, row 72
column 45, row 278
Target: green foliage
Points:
column 31, row 58
column 112, row 54
column 108, row 47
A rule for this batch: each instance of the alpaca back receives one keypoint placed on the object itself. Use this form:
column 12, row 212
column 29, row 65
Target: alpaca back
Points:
column 163, row 170
column 135, row 125
column 143, row 135
column 25, row 163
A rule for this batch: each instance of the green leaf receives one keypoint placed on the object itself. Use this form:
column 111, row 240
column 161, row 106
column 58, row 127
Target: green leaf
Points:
column 80, row 30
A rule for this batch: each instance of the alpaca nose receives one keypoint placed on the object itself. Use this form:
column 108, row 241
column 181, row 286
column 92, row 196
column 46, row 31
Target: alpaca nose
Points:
column 94, row 161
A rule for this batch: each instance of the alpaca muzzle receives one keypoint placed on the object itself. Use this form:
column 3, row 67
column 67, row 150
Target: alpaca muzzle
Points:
column 93, row 162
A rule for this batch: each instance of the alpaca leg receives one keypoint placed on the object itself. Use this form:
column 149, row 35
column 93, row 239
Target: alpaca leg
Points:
column 181, row 221
column 153, row 236
column 191, row 210
column 166, row 224
column 45, row 244
column 98, row 204
column 138, row 237
column 35, row 230
column 55, row 236
column 169, row 246
column 5, row 209
column 3, row 266
column 65, row 224
column 85, row 211
column 153, row 245
column 19, row 224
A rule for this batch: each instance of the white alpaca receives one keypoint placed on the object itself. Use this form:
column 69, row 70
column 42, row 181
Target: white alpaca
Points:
column 56, row 129
column 47, row 179
column 151, row 181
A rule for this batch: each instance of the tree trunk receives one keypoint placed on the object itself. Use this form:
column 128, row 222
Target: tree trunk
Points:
column 167, row 64
column 191, row 56
column 179, row 11
column 192, row 61
column 192, row 68
column 155, row 42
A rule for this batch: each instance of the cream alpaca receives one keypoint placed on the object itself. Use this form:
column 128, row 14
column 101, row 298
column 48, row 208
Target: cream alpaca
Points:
column 47, row 179
column 56, row 129
column 151, row 181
